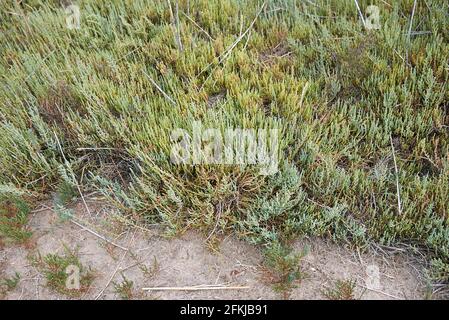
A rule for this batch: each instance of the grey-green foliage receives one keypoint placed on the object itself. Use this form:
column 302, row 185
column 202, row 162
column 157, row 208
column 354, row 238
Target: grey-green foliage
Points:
column 344, row 98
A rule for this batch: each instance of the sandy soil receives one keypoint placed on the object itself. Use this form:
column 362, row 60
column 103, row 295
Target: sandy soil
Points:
column 154, row 261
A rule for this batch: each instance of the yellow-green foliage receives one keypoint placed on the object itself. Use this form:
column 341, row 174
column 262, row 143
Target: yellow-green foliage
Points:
column 342, row 96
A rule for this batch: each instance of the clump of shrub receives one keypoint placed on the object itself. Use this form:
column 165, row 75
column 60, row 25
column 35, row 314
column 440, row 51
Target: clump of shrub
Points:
column 14, row 213
column 284, row 269
column 58, row 268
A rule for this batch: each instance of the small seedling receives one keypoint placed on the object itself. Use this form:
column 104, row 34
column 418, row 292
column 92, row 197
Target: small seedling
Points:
column 124, row 289
column 150, row 272
column 343, row 290
column 59, row 271
column 283, row 267
column 13, row 219
column 8, row 284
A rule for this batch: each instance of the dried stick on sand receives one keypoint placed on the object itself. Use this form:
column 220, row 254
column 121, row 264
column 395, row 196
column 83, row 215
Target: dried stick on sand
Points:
column 196, row 288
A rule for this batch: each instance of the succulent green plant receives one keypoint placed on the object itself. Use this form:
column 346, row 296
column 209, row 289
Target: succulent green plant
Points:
column 344, row 98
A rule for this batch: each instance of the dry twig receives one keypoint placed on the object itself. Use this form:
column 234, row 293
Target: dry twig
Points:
column 397, row 177
column 197, row 288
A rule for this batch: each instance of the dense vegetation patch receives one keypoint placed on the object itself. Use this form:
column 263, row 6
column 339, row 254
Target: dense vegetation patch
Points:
column 363, row 114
